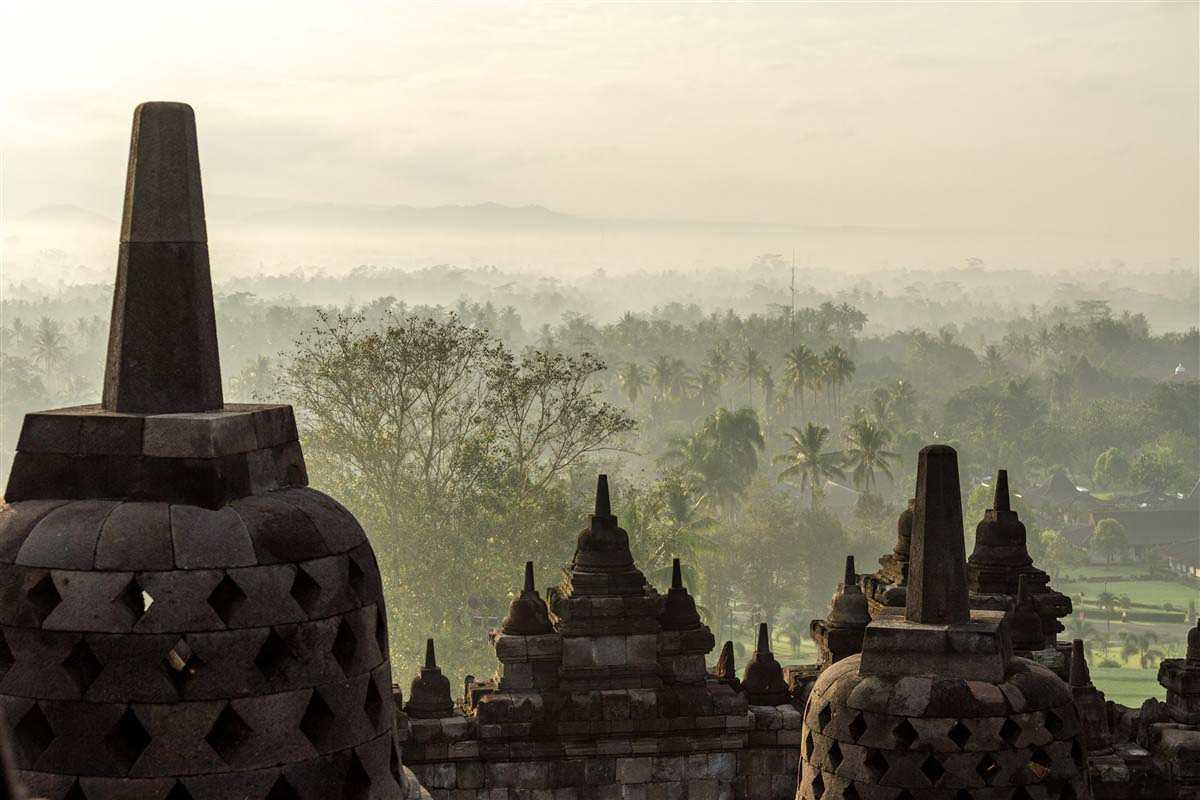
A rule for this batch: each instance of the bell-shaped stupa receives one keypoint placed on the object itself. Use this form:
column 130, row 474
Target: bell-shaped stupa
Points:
column 937, row 705
column 185, row 618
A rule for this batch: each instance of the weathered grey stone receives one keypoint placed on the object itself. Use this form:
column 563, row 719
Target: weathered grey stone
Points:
column 937, row 586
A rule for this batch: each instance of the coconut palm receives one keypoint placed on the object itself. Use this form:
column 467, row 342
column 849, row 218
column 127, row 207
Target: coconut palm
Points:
column 1141, row 646
column 808, row 465
column 837, row 369
column 634, row 380
column 799, row 370
column 866, row 451
column 750, row 369
column 49, row 345
column 681, row 527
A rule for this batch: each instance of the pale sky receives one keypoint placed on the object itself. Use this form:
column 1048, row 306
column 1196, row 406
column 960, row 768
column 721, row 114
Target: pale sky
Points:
column 1074, row 118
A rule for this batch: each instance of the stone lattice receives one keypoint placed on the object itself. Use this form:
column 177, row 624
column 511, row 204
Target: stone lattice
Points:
column 180, row 616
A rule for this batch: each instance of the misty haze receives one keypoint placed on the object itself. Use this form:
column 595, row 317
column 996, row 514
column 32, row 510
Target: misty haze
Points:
column 743, row 261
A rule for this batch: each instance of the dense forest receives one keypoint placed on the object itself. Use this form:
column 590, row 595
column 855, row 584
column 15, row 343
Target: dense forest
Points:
column 466, row 434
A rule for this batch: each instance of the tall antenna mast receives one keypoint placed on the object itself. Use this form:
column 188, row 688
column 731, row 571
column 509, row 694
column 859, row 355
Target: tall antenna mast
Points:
column 793, row 297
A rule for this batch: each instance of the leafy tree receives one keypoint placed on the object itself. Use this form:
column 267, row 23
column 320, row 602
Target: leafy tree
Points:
column 806, row 462
column 1110, row 540
column 721, row 456
column 1112, row 469
column 1155, row 468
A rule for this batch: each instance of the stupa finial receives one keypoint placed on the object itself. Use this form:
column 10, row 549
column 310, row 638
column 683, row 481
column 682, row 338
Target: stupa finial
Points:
column 937, row 583
column 1001, row 501
column 430, row 656
column 603, row 506
column 162, row 344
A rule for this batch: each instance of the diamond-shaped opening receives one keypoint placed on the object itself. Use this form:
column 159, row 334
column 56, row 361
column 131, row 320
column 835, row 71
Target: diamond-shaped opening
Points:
column 1054, row 723
column 858, row 726
column 345, row 645
column 7, row 659
column 356, row 576
column 905, row 794
column 835, row 756
column 963, row 794
column 282, row 790
column 1019, row 793
column 960, row 734
column 178, row 792
column 1039, row 764
column 180, row 664
column 33, row 734
column 373, row 703
column 44, row 597
column 82, row 665
column 876, row 763
column 987, row 768
column 1068, row 793
column 75, row 792
column 850, row 793
column 808, row 745
column 932, row 769
column 823, row 717
column 905, row 734
column 1010, row 732
column 133, row 599
column 228, row 735
column 305, row 591
column 317, row 722
column 358, row 782
column 818, row 786
column 226, row 598
column 273, row 655
column 127, row 739
column 381, row 639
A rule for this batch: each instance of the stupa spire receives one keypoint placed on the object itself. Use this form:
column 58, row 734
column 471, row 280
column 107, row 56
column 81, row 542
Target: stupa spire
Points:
column 603, row 508
column 430, row 655
column 1079, row 676
column 162, row 345
column 937, row 583
column 1001, row 501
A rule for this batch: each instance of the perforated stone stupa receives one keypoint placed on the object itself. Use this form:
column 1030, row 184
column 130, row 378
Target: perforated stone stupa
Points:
column 936, row 706
column 182, row 617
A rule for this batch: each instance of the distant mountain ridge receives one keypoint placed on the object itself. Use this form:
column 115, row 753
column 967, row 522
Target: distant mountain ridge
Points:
column 483, row 215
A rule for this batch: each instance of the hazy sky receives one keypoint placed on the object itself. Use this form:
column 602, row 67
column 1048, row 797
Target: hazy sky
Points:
column 1077, row 118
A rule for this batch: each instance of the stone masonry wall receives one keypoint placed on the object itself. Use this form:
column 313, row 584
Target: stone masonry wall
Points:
column 752, row 754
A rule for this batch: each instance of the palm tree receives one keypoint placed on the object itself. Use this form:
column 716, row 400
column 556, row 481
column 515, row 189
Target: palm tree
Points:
column 837, row 369
column 749, row 369
column 799, row 369
column 866, row 444
column 681, row 527
column 1141, row 646
column 707, row 389
column 721, row 456
column 808, row 465
column 49, row 345
column 993, row 359
column 718, row 363
column 662, row 374
column 634, row 380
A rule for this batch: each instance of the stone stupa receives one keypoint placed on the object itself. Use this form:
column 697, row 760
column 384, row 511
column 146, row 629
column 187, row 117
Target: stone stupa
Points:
column 936, row 705
column 181, row 616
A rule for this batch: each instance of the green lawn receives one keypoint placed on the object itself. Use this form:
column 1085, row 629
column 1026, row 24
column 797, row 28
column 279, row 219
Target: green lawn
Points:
column 1129, row 686
column 1153, row 593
